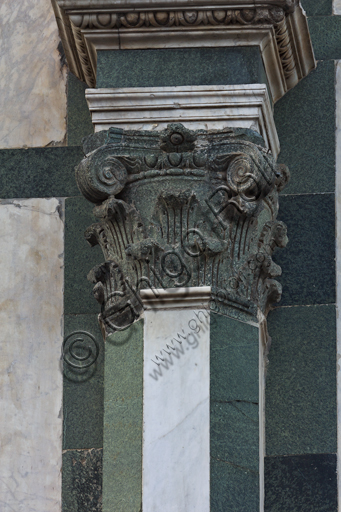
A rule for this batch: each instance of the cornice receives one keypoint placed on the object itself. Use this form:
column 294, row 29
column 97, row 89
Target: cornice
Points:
column 278, row 27
column 287, row 5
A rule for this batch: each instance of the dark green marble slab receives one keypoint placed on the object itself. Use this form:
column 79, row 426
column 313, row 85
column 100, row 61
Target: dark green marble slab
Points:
column 308, row 261
column 80, row 258
column 234, row 360
column 234, row 425
column 305, row 483
column 82, row 481
column 301, row 381
column 180, row 66
column 122, row 436
column 234, row 432
column 79, row 123
column 83, row 390
column 305, row 122
column 325, row 33
column 317, row 7
column 233, row 488
column 39, row 172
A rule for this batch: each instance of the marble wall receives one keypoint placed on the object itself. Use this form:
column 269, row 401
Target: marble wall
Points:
column 32, row 79
column 31, row 308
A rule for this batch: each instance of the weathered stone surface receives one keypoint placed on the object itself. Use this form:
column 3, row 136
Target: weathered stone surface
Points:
column 182, row 208
column 82, row 481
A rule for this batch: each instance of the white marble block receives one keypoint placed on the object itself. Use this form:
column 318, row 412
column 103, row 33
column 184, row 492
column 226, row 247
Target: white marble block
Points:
column 337, row 7
column 200, row 107
column 31, row 381
column 176, row 414
column 32, row 78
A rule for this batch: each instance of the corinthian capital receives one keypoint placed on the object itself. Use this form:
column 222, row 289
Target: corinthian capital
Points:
column 182, row 208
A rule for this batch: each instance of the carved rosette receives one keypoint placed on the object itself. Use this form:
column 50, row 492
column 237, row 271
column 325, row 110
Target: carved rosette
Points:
column 183, row 208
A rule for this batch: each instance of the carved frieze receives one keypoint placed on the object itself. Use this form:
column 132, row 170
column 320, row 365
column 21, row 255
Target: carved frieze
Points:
column 278, row 27
column 182, row 208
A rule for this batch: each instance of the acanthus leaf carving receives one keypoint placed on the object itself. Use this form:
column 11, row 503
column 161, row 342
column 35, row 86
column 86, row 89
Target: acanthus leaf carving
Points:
column 162, row 226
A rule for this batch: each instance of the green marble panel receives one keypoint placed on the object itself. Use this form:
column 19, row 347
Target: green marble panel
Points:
column 180, row 66
column 305, row 483
column 234, row 421
column 82, row 481
column 325, row 33
column 122, row 436
column 79, row 123
column 234, row 432
column 308, row 261
column 39, row 172
column 83, row 390
column 318, row 7
column 305, row 122
column 234, row 360
column 301, row 381
column 80, row 258
column 233, row 488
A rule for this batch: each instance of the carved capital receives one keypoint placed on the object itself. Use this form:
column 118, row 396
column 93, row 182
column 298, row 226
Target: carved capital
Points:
column 182, row 208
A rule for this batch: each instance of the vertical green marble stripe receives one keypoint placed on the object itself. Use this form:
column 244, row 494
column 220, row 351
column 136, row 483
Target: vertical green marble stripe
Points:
column 234, row 421
column 122, row 435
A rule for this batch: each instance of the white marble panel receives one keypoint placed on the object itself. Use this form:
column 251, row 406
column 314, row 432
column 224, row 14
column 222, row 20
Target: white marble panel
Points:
column 337, row 7
column 211, row 107
column 32, row 83
column 176, row 474
column 31, row 308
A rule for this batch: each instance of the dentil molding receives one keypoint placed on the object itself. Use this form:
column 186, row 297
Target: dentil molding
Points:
column 278, row 27
column 211, row 107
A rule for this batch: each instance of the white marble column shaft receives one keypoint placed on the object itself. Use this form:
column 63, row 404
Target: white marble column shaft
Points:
column 176, row 414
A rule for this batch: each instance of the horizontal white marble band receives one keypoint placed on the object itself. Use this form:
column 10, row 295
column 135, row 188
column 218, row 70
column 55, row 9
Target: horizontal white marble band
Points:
column 175, row 298
column 228, row 94
column 199, row 107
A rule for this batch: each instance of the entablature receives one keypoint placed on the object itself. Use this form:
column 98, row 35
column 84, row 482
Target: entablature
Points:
column 278, row 27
